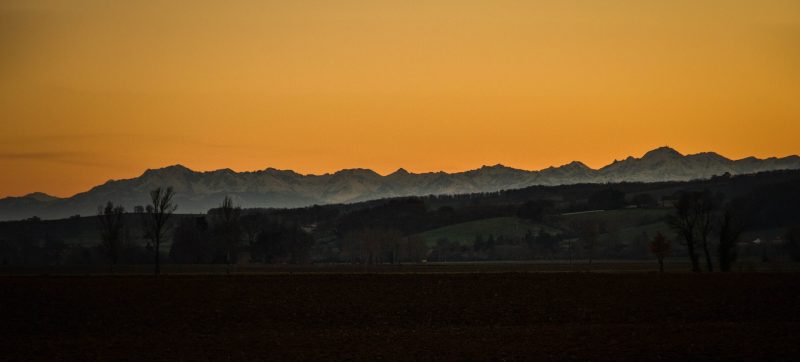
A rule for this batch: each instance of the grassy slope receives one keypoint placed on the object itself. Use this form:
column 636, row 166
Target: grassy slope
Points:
column 464, row 233
column 626, row 224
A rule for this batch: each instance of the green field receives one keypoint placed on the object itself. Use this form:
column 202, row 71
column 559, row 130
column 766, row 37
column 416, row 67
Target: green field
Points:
column 464, row 233
column 624, row 225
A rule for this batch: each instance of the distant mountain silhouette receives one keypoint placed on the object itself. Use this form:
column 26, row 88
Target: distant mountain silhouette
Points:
column 196, row 192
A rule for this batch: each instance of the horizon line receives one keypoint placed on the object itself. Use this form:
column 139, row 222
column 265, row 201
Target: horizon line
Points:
column 669, row 148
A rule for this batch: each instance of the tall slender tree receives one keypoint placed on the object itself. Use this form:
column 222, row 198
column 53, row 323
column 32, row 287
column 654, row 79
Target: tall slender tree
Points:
column 227, row 228
column 689, row 219
column 705, row 207
column 732, row 224
column 156, row 220
column 660, row 248
column 111, row 222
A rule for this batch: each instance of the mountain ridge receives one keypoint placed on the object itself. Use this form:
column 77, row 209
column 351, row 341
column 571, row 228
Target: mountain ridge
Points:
column 198, row 191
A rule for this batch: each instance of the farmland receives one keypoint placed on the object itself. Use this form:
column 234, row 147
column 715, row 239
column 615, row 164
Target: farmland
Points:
column 407, row 316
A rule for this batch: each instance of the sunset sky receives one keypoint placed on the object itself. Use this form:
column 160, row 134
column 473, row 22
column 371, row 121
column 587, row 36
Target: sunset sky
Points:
column 98, row 90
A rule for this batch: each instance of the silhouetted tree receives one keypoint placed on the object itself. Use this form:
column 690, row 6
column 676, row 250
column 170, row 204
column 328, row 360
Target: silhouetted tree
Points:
column 660, row 248
column 226, row 228
column 706, row 206
column 111, row 220
column 731, row 225
column 156, row 220
column 692, row 220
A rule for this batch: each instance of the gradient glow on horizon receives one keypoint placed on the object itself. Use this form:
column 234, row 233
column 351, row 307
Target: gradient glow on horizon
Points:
column 94, row 90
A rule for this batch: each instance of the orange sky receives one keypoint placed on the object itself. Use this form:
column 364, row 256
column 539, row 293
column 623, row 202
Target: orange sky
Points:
column 93, row 90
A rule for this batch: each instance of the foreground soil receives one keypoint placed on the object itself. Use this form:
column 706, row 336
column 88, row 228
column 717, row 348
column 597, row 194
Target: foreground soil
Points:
column 512, row 316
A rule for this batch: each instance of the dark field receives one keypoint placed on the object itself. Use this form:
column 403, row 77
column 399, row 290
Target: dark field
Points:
column 599, row 316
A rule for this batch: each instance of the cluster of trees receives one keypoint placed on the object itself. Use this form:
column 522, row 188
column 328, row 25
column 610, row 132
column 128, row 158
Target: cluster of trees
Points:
column 218, row 237
column 232, row 232
column 700, row 215
column 52, row 243
column 155, row 225
column 281, row 242
column 30, row 244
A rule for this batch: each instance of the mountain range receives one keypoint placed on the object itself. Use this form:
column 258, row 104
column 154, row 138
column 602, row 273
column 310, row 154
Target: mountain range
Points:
column 196, row 192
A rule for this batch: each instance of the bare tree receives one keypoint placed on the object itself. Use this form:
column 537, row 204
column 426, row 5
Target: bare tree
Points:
column 689, row 220
column 227, row 228
column 731, row 226
column 704, row 211
column 156, row 218
column 660, row 248
column 111, row 223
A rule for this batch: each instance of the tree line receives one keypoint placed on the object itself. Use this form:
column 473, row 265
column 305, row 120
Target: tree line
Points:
column 217, row 237
column 707, row 220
